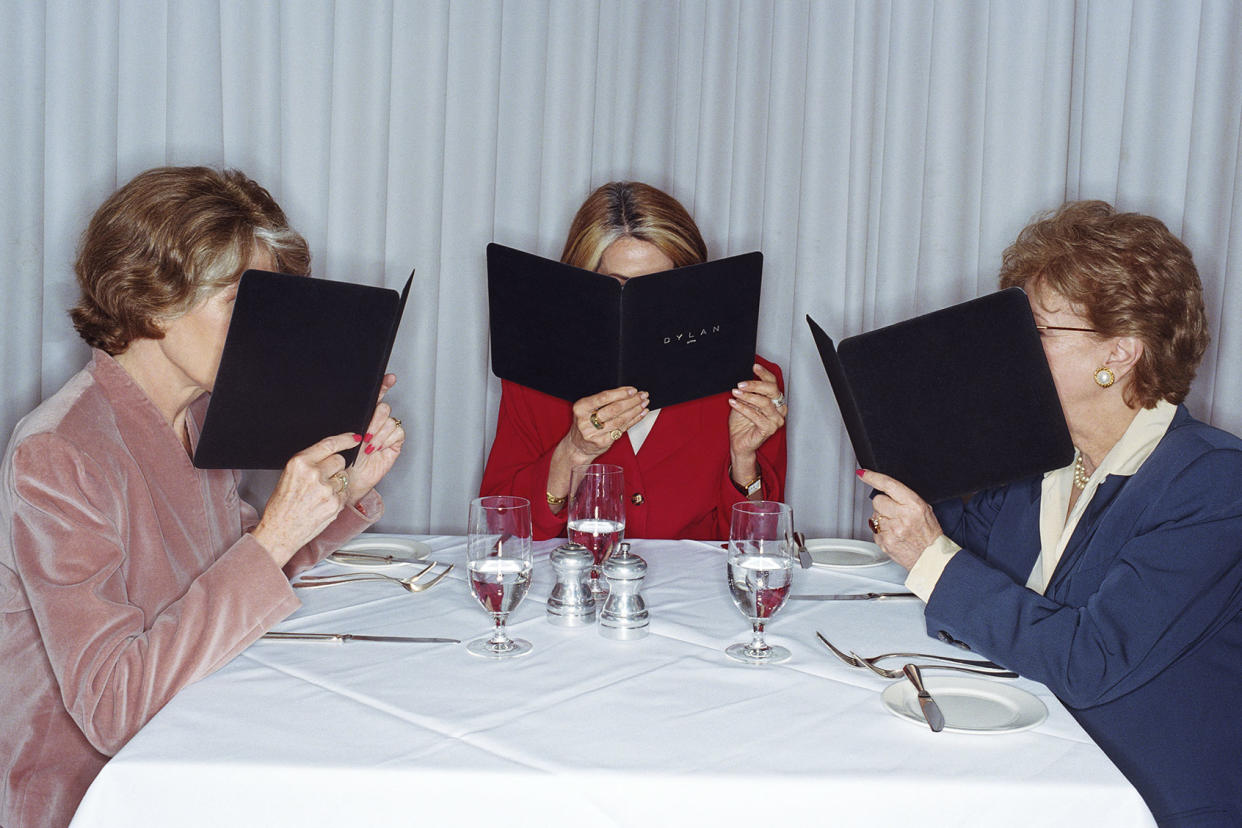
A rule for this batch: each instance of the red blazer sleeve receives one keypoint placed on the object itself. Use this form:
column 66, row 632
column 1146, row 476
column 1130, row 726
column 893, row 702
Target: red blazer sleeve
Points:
column 528, row 427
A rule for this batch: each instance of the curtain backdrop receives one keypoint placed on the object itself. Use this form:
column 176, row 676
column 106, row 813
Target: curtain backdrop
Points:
column 880, row 154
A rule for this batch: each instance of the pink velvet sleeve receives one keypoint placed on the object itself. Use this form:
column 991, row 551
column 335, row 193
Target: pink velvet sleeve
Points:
column 126, row 619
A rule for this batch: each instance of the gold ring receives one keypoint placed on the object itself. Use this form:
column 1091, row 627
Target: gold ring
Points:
column 341, row 477
column 873, row 523
column 398, row 422
column 615, row 434
column 595, row 420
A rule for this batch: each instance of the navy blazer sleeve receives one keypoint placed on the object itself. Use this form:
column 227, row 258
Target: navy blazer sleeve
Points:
column 1154, row 569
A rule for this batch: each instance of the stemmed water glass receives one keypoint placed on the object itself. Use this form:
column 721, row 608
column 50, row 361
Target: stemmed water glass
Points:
column 760, row 572
column 499, row 564
column 597, row 512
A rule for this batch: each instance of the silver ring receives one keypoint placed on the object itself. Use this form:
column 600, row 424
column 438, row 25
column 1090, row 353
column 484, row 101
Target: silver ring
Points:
column 341, row 477
column 779, row 400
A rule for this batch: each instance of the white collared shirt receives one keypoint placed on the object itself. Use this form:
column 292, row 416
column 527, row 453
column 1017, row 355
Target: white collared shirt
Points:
column 1140, row 439
column 639, row 431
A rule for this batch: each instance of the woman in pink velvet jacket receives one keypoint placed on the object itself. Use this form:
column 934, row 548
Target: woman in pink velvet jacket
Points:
column 125, row 572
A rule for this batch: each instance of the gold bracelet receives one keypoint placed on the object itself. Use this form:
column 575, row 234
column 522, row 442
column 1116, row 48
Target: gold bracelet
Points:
column 553, row 500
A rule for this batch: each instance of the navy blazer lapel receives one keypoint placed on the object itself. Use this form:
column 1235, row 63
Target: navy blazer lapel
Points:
column 1104, row 497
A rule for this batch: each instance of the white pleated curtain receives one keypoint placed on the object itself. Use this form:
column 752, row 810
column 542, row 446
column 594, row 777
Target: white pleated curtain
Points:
column 880, row 154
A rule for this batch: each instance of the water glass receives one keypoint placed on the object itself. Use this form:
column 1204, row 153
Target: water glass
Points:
column 499, row 565
column 597, row 512
column 760, row 572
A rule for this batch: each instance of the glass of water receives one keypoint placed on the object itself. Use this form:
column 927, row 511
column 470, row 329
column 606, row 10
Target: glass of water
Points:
column 597, row 512
column 499, row 564
column 760, row 571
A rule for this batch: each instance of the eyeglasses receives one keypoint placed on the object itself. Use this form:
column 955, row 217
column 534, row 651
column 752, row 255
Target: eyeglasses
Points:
column 1063, row 328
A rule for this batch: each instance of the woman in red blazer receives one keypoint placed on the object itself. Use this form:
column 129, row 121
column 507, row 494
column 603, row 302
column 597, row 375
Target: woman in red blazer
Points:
column 685, row 465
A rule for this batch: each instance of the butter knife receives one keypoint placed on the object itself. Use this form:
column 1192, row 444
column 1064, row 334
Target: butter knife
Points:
column 804, row 557
column 931, row 710
column 854, row 596
column 343, row 637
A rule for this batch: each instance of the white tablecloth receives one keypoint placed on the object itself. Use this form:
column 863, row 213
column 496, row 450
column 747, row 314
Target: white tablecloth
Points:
column 589, row 731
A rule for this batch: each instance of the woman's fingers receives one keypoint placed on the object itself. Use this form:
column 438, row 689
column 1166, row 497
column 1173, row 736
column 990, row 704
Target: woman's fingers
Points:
column 601, row 419
column 327, row 447
column 597, row 401
column 895, row 489
column 386, row 385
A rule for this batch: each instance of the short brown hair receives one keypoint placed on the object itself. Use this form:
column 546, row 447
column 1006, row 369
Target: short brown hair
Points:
column 622, row 209
column 1128, row 276
column 165, row 241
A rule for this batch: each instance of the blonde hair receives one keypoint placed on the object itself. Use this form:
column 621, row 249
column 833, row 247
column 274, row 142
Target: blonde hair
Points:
column 631, row 209
column 1128, row 276
column 165, row 241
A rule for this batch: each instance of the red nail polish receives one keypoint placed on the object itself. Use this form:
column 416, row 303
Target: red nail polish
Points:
column 357, row 438
column 860, row 472
column 369, row 436
column 368, row 449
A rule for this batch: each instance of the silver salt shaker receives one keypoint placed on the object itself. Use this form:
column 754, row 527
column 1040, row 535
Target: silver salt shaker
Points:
column 624, row 616
column 571, row 603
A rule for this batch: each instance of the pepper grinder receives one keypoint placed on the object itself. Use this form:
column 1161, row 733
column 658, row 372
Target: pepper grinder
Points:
column 571, row 603
column 624, row 616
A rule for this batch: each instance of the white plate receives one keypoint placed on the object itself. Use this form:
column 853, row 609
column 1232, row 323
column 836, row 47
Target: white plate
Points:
column 373, row 545
column 969, row 704
column 843, row 553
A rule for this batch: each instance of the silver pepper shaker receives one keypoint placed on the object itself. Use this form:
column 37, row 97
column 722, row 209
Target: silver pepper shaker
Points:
column 571, row 603
column 624, row 616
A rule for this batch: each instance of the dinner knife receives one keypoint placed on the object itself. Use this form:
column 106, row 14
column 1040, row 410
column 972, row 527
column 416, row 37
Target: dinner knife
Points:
column 342, row 637
column 853, row 596
column 931, row 710
column 368, row 556
column 804, row 557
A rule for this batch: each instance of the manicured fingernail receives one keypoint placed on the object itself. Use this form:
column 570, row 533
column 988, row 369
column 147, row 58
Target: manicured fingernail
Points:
column 357, row 438
column 741, row 384
column 860, row 472
column 368, row 449
column 369, row 436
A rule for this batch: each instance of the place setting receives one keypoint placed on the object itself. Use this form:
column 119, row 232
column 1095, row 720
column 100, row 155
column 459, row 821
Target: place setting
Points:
column 971, row 700
column 381, row 558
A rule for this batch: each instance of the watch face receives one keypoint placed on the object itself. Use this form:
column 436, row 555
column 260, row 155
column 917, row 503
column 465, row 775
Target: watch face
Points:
column 754, row 486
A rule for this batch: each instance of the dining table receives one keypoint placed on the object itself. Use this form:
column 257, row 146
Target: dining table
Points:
column 589, row 730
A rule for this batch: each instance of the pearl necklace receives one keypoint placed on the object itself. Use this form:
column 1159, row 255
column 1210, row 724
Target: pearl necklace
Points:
column 1080, row 473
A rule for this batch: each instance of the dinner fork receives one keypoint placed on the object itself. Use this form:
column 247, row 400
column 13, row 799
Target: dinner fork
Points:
column 335, row 576
column 896, row 674
column 855, row 660
column 411, row 583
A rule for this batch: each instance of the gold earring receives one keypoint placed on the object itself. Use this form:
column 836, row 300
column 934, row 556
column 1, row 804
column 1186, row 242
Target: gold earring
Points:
column 1104, row 377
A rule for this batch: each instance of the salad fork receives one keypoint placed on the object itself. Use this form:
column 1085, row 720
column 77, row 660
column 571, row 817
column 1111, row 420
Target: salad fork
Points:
column 855, row 660
column 411, row 583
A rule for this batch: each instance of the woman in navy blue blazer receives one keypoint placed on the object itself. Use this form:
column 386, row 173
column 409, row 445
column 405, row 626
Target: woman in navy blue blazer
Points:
column 1116, row 581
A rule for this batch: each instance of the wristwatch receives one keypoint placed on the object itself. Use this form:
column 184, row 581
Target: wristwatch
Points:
column 750, row 488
